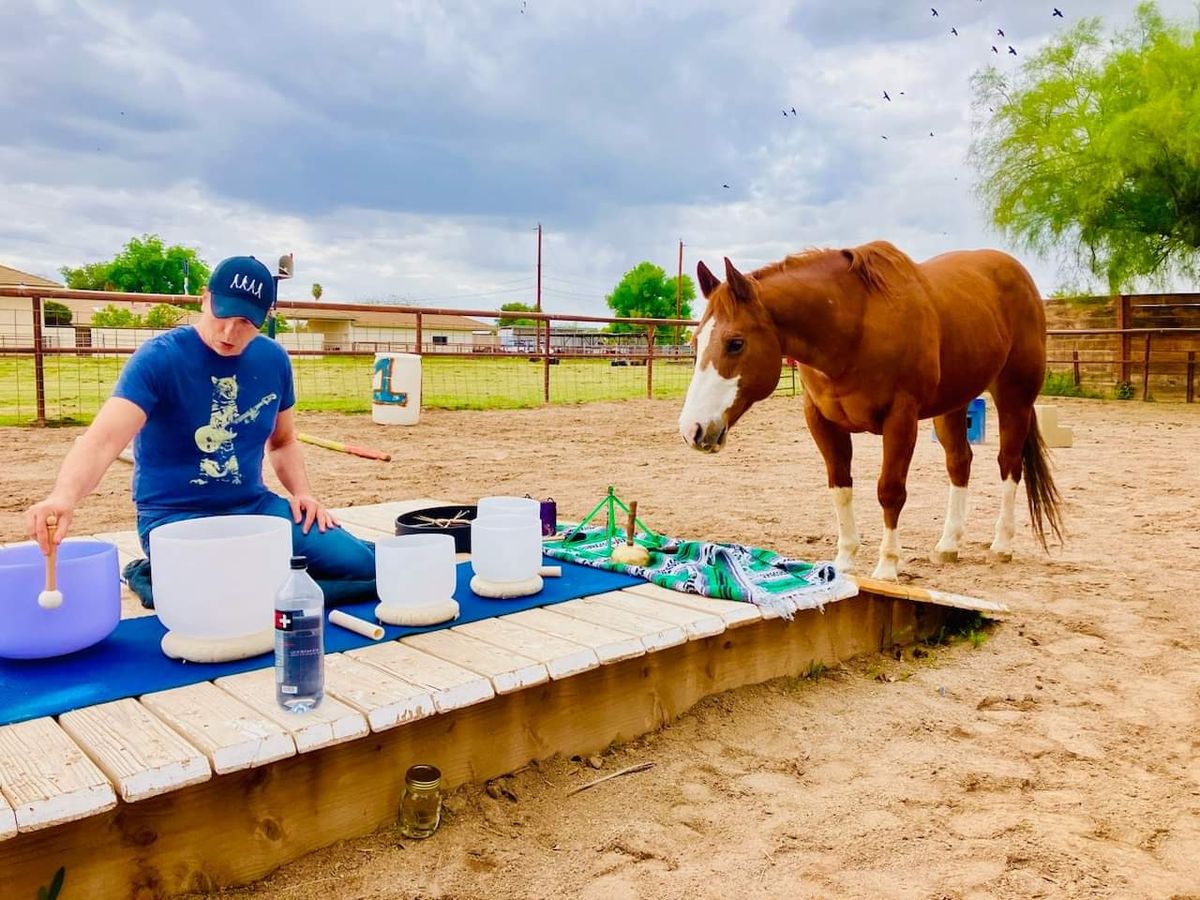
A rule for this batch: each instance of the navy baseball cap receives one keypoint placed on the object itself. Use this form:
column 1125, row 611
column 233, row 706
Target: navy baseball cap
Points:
column 242, row 286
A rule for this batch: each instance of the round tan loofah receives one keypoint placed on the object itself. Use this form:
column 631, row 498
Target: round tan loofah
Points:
column 212, row 650
column 503, row 590
column 631, row 555
column 425, row 614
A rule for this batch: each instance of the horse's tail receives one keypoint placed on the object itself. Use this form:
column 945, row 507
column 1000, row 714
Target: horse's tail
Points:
column 1044, row 501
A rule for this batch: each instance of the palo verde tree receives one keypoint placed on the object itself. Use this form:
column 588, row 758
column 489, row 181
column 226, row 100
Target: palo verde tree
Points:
column 645, row 292
column 144, row 266
column 1091, row 152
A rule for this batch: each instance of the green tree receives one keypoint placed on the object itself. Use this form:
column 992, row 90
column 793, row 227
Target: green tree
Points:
column 645, row 292
column 282, row 325
column 512, row 321
column 113, row 316
column 144, row 266
column 317, row 291
column 164, row 315
column 1095, row 145
column 56, row 314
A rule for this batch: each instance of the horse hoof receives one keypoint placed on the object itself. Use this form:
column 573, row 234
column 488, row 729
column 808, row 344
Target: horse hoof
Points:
column 885, row 573
column 1000, row 556
column 844, row 566
column 943, row 557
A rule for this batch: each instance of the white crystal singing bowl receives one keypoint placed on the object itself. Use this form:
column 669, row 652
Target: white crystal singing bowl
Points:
column 217, row 577
column 415, row 569
column 506, row 548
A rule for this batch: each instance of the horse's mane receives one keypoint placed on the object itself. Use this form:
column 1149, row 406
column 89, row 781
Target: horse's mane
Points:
column 882, row 266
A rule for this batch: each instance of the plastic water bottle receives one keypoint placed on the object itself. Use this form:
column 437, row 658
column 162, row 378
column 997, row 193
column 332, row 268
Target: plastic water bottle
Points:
column 299, row 641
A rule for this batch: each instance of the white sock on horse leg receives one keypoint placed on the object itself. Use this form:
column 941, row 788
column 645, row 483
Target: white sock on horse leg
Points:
column 1006, row 527
column 956, row 519
column 888, row 568
column 847, row 545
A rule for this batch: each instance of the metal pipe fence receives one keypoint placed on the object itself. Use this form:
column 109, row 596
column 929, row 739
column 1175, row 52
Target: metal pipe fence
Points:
column 64, row 373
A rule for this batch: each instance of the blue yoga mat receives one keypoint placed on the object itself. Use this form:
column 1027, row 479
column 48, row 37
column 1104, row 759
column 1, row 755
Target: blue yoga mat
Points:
column 130, row 662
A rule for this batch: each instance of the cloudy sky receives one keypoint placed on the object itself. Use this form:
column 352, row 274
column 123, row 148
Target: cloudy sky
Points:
column 407, row 150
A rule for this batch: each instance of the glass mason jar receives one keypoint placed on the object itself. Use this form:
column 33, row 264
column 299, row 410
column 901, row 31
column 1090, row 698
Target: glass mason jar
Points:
column 421, row 803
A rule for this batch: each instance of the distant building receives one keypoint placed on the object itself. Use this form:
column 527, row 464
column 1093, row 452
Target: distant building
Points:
column 16, row 313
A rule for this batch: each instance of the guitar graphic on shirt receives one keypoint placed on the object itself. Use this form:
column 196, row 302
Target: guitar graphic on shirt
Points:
column 211, row 436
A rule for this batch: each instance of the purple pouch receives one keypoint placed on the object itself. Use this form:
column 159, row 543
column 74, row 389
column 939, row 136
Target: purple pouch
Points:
column 549, row 516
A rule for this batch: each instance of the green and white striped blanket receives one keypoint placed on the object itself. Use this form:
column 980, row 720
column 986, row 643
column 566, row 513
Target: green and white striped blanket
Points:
column 725, row 571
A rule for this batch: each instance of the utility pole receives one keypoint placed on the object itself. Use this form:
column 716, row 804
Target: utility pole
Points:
column 538, row 301
column 679, row 292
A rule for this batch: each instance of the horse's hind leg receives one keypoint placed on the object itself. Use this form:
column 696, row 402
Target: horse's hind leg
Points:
column 952, row 435
column 837, row 451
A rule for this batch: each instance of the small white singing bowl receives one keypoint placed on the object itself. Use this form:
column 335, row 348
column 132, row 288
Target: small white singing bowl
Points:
column 508, row 506
column 506, row 548
column 415, row 569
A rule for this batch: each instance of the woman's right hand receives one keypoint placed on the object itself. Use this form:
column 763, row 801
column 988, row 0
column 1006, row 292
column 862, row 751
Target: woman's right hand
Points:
column 35, row 521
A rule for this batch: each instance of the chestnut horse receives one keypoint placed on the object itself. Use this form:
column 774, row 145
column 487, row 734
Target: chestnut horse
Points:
column 882, row 343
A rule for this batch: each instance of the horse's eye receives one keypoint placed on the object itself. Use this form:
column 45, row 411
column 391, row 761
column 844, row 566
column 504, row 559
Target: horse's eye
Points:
column 734, row 345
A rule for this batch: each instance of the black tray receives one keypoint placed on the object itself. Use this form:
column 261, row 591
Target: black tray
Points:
column 411, row 523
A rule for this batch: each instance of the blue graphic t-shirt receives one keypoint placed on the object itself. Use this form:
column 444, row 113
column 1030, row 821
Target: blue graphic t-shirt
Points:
column 208, row 418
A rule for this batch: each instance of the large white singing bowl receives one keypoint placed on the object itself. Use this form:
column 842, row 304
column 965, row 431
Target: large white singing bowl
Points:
column 217, row 577
column 415, row 569
column 506, row 548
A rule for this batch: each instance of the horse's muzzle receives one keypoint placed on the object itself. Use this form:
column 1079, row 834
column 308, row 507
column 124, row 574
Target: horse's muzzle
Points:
column 709, row 438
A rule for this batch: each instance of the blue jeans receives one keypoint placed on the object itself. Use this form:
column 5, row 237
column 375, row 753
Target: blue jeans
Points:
column 343, row 565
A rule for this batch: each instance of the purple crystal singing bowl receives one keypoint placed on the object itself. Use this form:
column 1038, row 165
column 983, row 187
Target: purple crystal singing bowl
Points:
column 91, row 588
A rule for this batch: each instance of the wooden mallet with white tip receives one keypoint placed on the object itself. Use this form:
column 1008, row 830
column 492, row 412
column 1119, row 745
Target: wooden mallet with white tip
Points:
column 51, row 597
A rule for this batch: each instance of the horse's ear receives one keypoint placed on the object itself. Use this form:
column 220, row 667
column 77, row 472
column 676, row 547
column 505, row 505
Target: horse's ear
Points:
column 708, row 281
column 739, row 285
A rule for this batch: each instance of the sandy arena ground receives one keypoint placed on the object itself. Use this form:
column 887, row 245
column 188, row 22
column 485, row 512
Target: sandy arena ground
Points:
column 1060, row 758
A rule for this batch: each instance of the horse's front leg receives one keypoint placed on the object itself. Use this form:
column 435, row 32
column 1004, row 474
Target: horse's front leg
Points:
column 837, row 451
column 899, row 440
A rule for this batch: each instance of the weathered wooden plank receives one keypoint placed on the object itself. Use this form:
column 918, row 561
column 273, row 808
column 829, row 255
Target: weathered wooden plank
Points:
column 655, row 634
column 732, row 612
column 231, row 734
column 386, row 701
column 332, row 722
column 922, row 595
column 8, row 819
column 451, row 686
column 363, row 531
column 128, row 545
column 696, row 623
column 135, row 749
column 507, row 671
column 561, row 657
column 608, row 645
column 47, row 778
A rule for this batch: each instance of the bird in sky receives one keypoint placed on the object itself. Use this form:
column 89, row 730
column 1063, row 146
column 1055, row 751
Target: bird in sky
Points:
column 784, row 111
column 886, row 97
column 884, row 136
column 793, row 110
column 954, row 31
column 994, row 50
column 724, row 185
column 1000, row 31
column 1057, row 12
column 1012, row 50
column 932, row 10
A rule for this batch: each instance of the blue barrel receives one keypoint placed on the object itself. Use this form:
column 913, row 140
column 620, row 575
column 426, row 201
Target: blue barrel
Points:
column 976, row 422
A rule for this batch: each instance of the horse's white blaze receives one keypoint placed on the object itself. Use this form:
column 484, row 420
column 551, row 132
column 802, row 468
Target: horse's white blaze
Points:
column 956, row 518
column 1006, row 527
column 888, row 568
column 709, row 396
column 843, row 503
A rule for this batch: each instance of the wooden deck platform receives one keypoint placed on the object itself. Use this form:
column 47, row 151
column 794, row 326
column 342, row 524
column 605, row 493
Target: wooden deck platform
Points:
column 212, row 785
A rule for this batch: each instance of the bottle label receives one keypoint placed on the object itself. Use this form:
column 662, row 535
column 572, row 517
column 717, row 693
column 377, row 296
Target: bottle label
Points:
column 299, row 651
